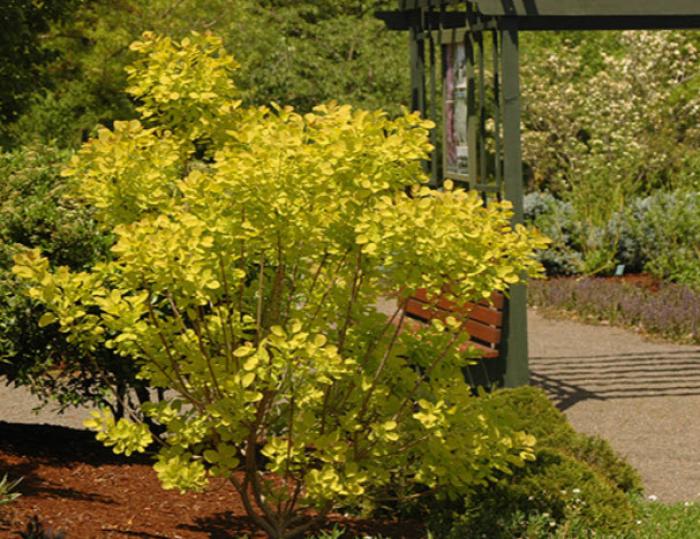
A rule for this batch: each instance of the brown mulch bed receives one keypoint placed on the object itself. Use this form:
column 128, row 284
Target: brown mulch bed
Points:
column 75, row 485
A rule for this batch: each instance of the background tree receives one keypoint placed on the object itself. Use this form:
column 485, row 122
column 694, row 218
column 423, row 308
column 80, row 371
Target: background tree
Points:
column 22, row 56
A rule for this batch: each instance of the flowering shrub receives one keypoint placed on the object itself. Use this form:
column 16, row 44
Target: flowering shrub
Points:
column 609, row 118
column 251, row 248
column 611, row 115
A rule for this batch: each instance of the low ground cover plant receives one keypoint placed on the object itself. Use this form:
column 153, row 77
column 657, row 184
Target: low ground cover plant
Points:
column 654, row 520
column 8, row 490
column 663, row 521
column 672, row 310
column 251, row 247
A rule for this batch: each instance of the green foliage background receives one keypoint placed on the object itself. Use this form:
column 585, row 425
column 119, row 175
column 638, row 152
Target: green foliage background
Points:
column 23, row 58
column 299, row 53
column 34, row 212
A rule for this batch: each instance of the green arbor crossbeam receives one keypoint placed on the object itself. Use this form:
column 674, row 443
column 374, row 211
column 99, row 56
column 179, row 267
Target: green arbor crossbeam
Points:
column 569, row 8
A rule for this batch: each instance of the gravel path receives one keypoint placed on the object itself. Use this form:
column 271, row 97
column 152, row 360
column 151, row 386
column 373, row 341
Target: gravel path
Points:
column 643, row 397
column 17, row 405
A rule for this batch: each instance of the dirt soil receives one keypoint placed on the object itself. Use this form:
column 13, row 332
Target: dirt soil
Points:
column 642, row 280
column 75, row 485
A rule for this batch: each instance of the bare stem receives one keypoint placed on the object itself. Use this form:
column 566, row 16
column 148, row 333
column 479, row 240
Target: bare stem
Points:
column 357, row 278
column 382, row 364
column 330, row 287
column 226, row 325
column 200, row 342
column 242, row 489
column 370, row 348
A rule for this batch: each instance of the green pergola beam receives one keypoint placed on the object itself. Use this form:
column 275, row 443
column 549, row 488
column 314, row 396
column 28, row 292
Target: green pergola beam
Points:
column 570, row 8
column 676, row 22
column 588, row 8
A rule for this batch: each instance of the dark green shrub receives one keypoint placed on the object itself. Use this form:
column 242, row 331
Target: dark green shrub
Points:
column 535, row 414
column 557, row 487
column 34, row 213
column 577, row 482
column 598, row 454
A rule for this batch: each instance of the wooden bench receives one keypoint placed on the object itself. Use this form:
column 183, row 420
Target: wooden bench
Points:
column 483, row 321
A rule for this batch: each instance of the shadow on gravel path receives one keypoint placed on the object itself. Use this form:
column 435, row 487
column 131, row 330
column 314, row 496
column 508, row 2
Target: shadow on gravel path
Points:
column 572, row 379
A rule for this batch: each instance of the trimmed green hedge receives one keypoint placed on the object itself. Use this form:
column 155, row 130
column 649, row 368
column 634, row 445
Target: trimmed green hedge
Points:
column 577, row 482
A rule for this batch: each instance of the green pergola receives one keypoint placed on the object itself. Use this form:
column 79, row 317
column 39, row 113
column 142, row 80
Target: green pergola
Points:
column 482, row 112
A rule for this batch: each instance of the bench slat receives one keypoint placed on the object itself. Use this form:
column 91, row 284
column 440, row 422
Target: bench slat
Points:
column 475, row 328
column 484, row 319
column 498, row 301
column 486, row 352
column 473, row 311
column 484, row 333
column 486, row 316
column 419, row 310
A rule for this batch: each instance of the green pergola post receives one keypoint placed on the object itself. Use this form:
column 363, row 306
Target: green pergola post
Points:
column 417, row 55
column 515, row 351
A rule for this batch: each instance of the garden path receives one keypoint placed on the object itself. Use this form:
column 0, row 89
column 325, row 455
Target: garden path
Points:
column 17, row 405
column 644, row 397
column 641, row 396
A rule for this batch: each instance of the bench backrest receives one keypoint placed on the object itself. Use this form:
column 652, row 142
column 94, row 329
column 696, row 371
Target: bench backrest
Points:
column 483, row 320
